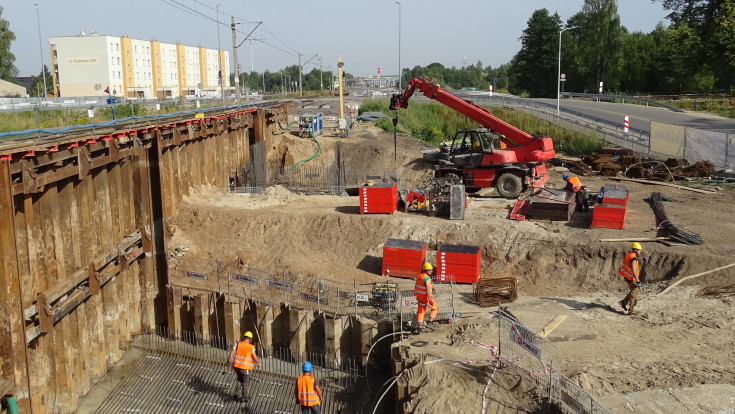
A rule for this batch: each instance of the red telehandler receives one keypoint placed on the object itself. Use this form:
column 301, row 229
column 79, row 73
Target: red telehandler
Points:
column 472, row 154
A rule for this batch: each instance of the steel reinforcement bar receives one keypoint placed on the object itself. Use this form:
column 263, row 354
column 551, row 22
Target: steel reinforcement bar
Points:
column 190, row 375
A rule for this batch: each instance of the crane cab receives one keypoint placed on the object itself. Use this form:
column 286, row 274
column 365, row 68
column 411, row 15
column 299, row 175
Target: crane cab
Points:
column 476, row 148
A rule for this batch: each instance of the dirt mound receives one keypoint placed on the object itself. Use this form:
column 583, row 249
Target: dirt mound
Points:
column 680, row 340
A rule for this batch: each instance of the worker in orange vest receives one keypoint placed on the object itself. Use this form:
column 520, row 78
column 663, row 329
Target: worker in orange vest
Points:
column 424, row 292
column 580, row 191
column 308, row 394
column 630, row 271
column 243, row 359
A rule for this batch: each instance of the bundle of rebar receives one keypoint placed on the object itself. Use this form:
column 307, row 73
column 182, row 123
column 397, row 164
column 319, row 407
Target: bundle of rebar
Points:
column 674, row 232
column 492, row 291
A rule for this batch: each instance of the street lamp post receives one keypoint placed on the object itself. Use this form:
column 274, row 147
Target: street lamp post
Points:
column 40, row 47
column 558, row 75
column 399, row 45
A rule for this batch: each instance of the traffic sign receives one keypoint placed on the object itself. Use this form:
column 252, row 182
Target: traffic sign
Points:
column 563, row 77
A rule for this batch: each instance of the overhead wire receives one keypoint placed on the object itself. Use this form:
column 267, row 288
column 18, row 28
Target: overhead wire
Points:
column 183, row 7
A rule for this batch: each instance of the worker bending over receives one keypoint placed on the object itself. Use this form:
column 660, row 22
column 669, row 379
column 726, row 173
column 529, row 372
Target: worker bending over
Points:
column 580, row 191
column 424, row 293
column 243, row 358
column 308, row 394
column 630, row 271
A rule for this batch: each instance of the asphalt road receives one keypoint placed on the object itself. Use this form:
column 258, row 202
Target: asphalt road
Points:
column 641, row 116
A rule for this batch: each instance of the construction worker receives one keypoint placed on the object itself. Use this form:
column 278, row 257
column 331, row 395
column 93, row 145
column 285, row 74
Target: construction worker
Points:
column 424, row 293
column 580, row 191
column 243, row 359
column 630, row 271
column 308, row 394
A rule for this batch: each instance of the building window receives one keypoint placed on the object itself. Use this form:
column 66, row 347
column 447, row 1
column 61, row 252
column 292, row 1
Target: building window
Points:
column 136, row 48
column 117, row 45
column 118, row 61
column 111, row 48
column 118, row 74
column 113, row 61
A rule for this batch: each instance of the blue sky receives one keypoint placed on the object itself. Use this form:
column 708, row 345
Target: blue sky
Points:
column 364, row 34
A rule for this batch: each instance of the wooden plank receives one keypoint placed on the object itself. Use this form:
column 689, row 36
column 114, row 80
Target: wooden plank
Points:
column 119, row 226
column 144, row 217
column 20, row 371
column 79, row 276
column 12, row 361
column 553, row 324
column 65, row 392
column 681, row 187
column 633, row 239
column 81, row 362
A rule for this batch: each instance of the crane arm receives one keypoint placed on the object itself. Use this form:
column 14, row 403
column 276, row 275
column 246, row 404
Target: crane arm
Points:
column 539, row 148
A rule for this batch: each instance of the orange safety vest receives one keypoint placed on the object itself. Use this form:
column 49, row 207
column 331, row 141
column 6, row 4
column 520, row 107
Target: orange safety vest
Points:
column 421, row 290
column 576, row 185
column 307, row 393
column 630, row 270
column 244, row 356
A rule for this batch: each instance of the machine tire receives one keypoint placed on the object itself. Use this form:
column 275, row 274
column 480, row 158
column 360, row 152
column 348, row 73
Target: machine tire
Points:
column 509, row 185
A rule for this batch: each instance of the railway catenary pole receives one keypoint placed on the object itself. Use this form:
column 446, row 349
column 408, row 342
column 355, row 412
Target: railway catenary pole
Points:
column 219, row 59
column 234, row 57
column 301, row 91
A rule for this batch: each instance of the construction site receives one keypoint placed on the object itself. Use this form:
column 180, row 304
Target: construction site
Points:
column 136, row 255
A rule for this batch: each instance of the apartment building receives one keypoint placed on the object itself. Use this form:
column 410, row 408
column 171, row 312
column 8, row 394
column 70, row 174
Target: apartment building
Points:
column 86, row 64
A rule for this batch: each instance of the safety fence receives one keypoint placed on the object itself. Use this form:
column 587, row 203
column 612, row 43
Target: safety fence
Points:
column 191, row 375
column 389, row 298
column 661, row 141
column 533, row 355
column 332, row 179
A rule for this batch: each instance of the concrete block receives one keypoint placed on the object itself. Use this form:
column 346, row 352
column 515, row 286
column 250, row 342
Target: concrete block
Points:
column 316, row 334
column 264, row 315
column 333, row 332
column 232, row 316
column 281, row 328
column 173, row 305
column 201, row 316
column 298, row 322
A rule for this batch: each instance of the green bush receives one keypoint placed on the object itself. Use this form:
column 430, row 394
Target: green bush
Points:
column 435, row 123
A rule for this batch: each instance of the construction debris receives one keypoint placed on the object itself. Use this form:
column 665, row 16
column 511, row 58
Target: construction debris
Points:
column 681, row 187
column 492, row 291
column 718, row 291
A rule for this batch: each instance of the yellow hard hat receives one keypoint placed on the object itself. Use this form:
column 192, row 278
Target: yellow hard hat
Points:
column 248, row 334
column 428, row 266
column 636, row 245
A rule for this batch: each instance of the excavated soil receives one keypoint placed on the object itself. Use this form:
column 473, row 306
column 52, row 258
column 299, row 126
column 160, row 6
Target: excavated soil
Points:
column 681, row 344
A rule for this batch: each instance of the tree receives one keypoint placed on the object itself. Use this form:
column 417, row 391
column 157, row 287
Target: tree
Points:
column 708, row 28
column 598, row 39
column 533, row 68
column 7, row 59
column 38, row 83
